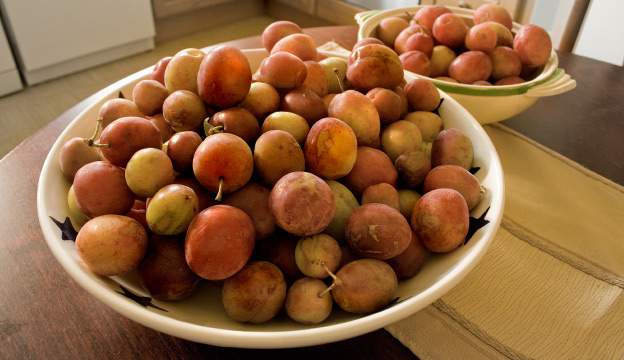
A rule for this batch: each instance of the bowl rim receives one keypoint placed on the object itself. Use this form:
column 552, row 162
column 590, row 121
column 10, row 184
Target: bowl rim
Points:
column 370, row 19
column 262, row 339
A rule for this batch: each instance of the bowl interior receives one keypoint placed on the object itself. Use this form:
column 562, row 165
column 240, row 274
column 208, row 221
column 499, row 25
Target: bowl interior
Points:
column 202, row 317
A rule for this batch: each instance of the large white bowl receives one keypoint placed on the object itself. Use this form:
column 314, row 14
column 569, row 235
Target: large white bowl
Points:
column 487, row 104
column 202, row 317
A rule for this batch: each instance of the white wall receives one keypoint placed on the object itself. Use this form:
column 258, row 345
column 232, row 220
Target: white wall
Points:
column 544, row 13
column 600, row 37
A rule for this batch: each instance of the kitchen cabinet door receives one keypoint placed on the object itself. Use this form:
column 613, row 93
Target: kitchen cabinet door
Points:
column 53, row 38
column 9, row 76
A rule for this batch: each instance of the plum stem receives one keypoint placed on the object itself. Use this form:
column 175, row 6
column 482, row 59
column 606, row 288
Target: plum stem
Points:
column 91, row 141
column 334, row 283
column 220, row 192
column 417, row 22
column 210, row 129
column 337, row 72
column 215, row 130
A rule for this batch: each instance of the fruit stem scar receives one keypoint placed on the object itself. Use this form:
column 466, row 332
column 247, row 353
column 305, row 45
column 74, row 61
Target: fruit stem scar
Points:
column 372, row 231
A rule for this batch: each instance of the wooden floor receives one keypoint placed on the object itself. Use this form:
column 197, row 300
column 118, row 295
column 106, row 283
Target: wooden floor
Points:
column 22, row 113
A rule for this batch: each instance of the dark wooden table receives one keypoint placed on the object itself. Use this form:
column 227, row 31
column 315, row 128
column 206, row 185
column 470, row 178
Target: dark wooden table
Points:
column 45, row 314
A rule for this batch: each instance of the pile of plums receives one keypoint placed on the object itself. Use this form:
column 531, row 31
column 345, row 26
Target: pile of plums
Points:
column 308, row 182
column 438, row 43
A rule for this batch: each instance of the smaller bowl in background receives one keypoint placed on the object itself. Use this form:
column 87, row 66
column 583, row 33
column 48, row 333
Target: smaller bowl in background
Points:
column 487, row 104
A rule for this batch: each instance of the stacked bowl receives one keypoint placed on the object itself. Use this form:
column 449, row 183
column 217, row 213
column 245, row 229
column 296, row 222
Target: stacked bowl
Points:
column 486, row 103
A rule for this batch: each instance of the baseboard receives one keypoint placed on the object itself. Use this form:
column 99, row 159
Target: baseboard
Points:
column 281, row 11
column 10, row 82
column 338, row 11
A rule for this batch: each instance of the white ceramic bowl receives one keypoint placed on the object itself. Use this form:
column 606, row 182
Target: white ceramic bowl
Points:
column 486, row 103
column 202, row 317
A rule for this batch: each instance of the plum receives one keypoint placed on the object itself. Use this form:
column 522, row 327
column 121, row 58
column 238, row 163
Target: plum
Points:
column 149, row 96
column 422, row 95
column 219, row 242
column 276, row 31
column 111, row 245
column 533, row 45
column 253, row 199
column 223, row 163
column 124, row 136
column 74, row 154
column 255, row 294
column 116, row 108
column 345, row 202
column 184, row 110
column 471, row 66
column 452, row 146
column 302, row 203
column 408, row 263
column 308, row 302
column 412, row 167
column 388, row 103
column 450, row 29
column 366, row 285
column 377, row 231
column 454, row 177
column 238, row 121
column 372, row 66
column 171, row 209
column 441, row 220
column 276, row 154
column 330, row 149
column 181, row 71
column 382, row 193
column 164, row 273
column 372, row 166
column 359, row 112
column 147, row 171
column 224, row 77
column 298, row 44
column 100, row 188
column 295, row 124
column 318, row 255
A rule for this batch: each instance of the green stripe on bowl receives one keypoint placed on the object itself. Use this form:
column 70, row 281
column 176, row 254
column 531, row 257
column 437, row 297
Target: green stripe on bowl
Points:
column 494, row 91
column 373, row 13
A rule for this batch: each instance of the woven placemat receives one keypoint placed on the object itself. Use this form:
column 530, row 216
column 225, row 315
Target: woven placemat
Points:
column 551, row 284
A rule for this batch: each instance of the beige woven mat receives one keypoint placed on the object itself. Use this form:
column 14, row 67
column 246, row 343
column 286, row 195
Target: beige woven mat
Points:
column 551, row 284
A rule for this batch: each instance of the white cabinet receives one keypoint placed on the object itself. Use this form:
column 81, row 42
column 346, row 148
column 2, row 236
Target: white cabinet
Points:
column 9, row 75
column 54, row 38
